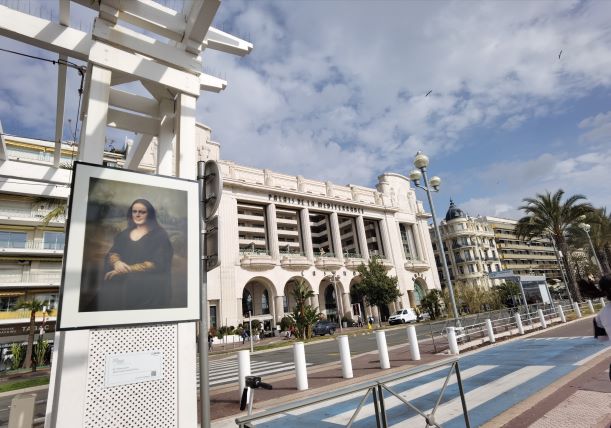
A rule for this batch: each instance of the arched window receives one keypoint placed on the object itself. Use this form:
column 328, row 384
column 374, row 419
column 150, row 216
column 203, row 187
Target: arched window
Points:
column 419, row 293
column 265, row 302
column 247, row 303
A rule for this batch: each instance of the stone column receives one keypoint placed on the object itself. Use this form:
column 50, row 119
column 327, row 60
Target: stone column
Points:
column 314, row 301
column 347, row 311
column 335, row 236
column 388, row 254
column 360, row 227
column 279, row 308
column 272, row 231
column 304, row 216
column 415, row 235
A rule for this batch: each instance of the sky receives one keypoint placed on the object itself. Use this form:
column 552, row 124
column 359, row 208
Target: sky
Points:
column 519, row 100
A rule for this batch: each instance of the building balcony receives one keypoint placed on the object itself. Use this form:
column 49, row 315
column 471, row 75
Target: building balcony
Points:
column 327, row 262
column 415, row 265
column 353, row 260
column 31, row 248
column 29, row 279
column 256, row 260
column 294, row 260
column 28, row 217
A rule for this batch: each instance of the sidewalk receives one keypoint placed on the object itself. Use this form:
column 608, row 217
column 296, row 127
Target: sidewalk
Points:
column 584, row 394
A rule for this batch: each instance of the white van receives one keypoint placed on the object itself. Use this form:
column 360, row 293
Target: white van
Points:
column 403, row 316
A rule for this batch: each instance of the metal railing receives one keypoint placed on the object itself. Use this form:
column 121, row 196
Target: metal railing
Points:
column 352, row 255
column 324, row 254
column 376, row 390
column 31, row 245
column 30, row 214
column 255, row 252
column 16, row 278
column 293, row 253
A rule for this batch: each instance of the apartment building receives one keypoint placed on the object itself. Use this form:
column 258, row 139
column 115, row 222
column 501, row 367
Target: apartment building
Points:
column 525, row 257
column 470, row 249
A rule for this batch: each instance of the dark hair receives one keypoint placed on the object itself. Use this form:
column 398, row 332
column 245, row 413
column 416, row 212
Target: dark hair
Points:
column 605, row 285
column 151, row 215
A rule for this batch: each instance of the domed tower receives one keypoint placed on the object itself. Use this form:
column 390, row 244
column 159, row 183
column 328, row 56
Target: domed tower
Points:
column 454, row 212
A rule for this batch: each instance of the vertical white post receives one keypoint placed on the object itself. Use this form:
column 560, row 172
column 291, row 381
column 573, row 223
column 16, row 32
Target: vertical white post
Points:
column 452, row 341
column 301, row 371
column 590, row 306
column 382, row 349
column 576, row 309
column 243, row 368
column 542, row 318
column 344, row 353
column 561, row 313
column 414, row 349
column 490, row 330
column 519, row 323
column 602, row 302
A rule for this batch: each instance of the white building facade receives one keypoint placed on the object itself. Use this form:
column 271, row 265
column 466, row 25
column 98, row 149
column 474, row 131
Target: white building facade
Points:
column 276, row 229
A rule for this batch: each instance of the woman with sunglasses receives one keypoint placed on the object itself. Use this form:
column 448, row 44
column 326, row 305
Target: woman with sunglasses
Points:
column 139, row 264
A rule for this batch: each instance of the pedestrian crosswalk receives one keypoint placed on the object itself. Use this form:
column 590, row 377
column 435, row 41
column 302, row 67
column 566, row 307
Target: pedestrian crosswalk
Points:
column 226, row 370
column 494, row 380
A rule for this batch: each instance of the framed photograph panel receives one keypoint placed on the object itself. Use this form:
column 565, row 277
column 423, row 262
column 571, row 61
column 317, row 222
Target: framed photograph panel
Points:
column 132, row 253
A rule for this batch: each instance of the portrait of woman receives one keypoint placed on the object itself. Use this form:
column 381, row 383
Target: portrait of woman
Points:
column 138, row 266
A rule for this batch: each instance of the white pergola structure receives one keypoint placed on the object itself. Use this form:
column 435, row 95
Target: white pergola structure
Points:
column 131, row 40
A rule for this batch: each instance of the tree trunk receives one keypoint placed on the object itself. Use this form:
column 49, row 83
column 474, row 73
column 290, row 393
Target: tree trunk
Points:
column 573, row 287
column 28, row 354
column 604, row 262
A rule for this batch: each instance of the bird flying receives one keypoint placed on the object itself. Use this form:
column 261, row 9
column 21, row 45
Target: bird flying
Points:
column 428, row 93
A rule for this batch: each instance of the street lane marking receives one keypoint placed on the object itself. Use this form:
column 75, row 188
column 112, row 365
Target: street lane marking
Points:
column 490, row 391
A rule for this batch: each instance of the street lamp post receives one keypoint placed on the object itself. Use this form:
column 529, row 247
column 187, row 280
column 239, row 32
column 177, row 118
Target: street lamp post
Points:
column 586, row 228
column 338, row 301
column 421, row 162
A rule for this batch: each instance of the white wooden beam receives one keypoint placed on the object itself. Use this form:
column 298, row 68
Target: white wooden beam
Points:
column 199, row 21
column 137, row 151
column 117, row 59
column 93, row 135
column 132, row 122
column 167, row 138
column 3, row 153
column 211, row 83
column 35, row 172
column 153, row 17
column 59, row 111
column 148, row 46
column 159, row 92
column 186, row 162
column 119, row 78
column 225, row 42
column 137, row 103
column 44, row 34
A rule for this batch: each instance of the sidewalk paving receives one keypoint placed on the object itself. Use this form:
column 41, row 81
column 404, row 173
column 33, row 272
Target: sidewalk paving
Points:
column 580, row 399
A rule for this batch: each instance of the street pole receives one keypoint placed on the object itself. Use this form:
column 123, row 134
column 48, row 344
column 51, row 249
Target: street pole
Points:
column 442, row 254
column 338, row 303
column 600, row 268
column 250, row 330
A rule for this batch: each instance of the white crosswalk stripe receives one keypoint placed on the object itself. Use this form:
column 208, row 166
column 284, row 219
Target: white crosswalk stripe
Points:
column 226, row 371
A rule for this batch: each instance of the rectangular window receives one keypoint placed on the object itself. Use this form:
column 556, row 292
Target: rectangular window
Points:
column 8, row 304
column 13, row 239
column 289, row 231
column 252, row 228
column 348, row 236
column 54, row 240
column 213, row 322
column 374, row 237
column 320, row 226
column 407, row 241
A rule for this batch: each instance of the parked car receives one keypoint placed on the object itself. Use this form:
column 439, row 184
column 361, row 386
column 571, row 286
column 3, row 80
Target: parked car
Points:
column 324, row 327
column 403, row 316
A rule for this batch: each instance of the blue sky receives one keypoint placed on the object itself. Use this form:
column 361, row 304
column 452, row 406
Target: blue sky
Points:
column 335, row 90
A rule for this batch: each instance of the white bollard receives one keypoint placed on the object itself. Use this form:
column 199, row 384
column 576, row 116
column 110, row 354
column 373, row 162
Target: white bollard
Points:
column 414, row 348
column 452, row 341
column 561, row 313
column 542, row 318
column 344, row 354
column 301, row 371
column 382, row 349
column 577, row 310
column 519, row 323
column 602, row 302
column 490, row 330
column 591, row 306
column 243, row 368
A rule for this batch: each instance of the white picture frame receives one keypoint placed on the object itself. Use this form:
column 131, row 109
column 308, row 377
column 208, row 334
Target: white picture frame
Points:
column 113, row 274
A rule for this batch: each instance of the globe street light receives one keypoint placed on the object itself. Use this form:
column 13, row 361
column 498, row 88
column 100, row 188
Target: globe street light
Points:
column 586, row 228
column 421, row 162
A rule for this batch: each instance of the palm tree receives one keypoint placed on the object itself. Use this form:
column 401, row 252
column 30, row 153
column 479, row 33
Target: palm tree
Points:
column 304, row 315
column 600, row 234
column 33, row 306
column 546, row 214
